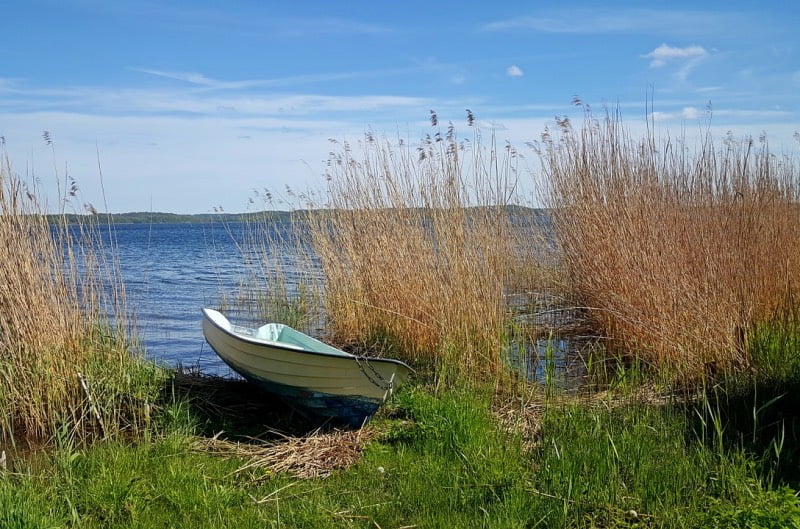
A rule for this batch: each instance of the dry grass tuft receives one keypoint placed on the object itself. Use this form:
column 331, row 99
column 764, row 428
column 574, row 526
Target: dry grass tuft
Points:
column 520, row 414
column 315, row 456
column 678, row 253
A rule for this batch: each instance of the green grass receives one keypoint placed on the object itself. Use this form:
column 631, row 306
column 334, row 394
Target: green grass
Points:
column 442, row 461
column 775, row 350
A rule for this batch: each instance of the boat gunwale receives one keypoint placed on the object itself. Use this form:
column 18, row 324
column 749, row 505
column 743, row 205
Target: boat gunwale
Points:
column 278, row 345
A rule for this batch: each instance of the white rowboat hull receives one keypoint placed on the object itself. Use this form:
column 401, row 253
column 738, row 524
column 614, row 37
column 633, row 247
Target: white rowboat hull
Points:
column 305, row 372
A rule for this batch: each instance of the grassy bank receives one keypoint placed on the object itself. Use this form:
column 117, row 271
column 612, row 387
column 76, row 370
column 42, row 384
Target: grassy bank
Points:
column 448, row 460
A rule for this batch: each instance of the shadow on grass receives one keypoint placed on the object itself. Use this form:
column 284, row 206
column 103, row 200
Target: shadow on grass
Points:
column 760, row 417
column 237, row 410
column 761, row 410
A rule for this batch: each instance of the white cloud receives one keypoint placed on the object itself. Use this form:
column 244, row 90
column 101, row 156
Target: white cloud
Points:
column 690, row 113
column 664, row 54
column 203, row 81
column 687, row 113
column 721, row 116
column 662, row 116
column 514, row 71
column 685, row 23
column 128, row 101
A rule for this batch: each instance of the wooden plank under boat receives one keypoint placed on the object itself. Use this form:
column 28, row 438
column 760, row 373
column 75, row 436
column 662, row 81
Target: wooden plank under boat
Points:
column 306, row 373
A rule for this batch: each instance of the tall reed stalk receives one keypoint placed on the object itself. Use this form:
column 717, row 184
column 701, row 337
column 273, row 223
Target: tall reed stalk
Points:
column 677, row 252
column 58, row 296
column 282, row 279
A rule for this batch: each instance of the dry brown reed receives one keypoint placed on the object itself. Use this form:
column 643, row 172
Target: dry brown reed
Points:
column 417, row 247
column 314, row 456
column 677, row 252
column 54, row 303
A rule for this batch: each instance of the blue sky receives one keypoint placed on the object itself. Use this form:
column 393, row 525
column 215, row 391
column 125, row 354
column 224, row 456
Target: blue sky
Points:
column 191, row 105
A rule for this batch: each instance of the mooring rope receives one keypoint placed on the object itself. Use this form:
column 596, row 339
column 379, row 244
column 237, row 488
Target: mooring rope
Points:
column 387, row 385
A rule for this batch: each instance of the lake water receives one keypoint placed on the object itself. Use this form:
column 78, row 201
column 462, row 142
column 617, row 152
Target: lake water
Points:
column 170, row 272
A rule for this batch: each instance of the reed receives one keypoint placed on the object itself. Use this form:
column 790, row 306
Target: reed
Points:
column 282, row 280
column 65, row 362
column 417, row 248
column 678, row 252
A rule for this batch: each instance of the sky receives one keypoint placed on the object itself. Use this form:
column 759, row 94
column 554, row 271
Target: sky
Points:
column 189, row 106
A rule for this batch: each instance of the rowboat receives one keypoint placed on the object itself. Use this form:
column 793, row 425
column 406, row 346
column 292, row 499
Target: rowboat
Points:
column 307, row 374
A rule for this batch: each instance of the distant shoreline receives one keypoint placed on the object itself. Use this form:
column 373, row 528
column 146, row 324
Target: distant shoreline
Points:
column 170, row 218
column 141, row 217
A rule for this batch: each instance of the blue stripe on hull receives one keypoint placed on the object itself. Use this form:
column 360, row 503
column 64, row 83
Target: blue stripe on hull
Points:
column 351, row 410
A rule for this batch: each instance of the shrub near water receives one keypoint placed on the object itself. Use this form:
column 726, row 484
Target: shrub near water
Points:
column 54, row 294
column 416, row 247
column 678, row 253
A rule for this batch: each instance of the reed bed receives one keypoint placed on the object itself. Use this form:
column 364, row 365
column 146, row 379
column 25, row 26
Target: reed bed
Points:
column 417, row 248
column 64, row 366
column 678, row 252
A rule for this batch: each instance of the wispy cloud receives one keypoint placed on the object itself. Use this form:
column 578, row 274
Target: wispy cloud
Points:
column 725, row 114
column 194, row 78
column 597, row 21
column 664, row 54
column 707, row 89
column 202, row 81
column 300, row 27
column 115, row 101
column 514, row 71
column 258, row 21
